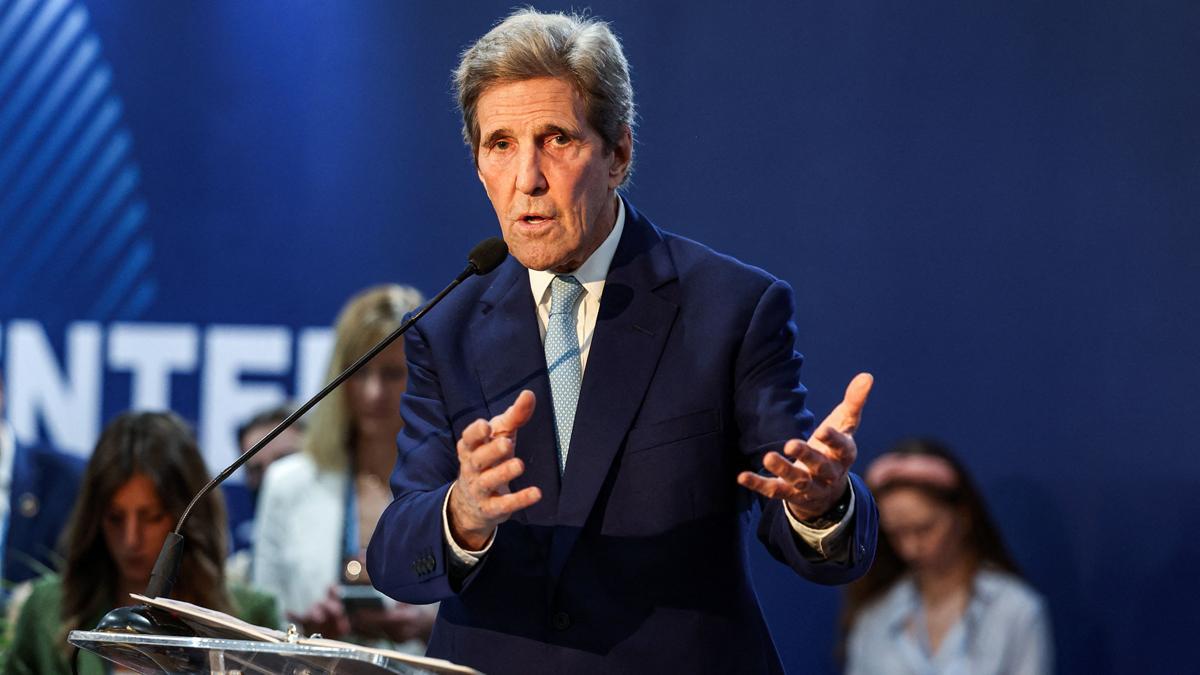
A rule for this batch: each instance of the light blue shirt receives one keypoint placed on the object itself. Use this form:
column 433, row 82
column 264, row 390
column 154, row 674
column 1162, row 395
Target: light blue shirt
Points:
column 1005, row 630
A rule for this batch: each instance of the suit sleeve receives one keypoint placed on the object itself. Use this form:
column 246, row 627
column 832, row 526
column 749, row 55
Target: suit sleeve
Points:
column 407, row 557
column 769, row 407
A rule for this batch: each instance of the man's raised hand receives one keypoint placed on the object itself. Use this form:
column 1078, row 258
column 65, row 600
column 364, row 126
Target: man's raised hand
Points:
column 480, row 499
column 811, row 476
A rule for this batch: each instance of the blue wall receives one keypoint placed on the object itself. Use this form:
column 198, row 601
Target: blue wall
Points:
column 993, row 206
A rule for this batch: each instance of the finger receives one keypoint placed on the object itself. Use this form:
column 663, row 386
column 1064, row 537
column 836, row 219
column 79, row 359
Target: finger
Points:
column 502, row 506
column 853, row 402
column 772, row 488
column 476, row 434
column 515, row 417
column 823, row 464
column 316, row 614
column 794, row 474
column 402, row 614
column 491, row 453
column 793, row 448
column 841, row 447
column 499, row 476
column 810, row 452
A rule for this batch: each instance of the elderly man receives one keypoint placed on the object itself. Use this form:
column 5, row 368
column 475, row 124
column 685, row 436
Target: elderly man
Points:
column 589, row 426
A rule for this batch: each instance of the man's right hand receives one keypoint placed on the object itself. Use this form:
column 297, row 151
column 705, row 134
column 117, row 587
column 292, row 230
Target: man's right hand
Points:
column 480, row 499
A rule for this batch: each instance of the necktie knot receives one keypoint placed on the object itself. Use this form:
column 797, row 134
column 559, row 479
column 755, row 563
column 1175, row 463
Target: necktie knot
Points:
column 564, row 293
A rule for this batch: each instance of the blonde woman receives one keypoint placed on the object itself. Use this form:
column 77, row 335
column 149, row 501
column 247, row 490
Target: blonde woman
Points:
column 318, row 508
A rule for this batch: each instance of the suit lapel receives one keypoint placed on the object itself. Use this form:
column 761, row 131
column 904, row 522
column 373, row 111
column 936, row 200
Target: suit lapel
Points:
column 631, row 330
column 507, row 351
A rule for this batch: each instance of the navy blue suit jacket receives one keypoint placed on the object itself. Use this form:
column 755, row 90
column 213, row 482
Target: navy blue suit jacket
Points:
column 44, row 486
column 634, row 560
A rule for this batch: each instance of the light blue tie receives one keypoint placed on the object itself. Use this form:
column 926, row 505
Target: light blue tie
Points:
column 562, row 360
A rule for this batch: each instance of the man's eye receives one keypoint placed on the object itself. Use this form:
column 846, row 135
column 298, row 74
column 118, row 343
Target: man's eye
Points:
column 560, row 139
column 501, row 145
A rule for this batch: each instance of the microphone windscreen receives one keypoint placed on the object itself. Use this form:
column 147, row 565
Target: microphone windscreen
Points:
column 488, row 254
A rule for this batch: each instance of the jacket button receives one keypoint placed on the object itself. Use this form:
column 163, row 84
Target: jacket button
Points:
column 561, row 621
column 28, row 505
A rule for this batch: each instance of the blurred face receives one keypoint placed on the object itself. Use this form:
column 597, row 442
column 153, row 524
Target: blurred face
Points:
column 546, row 172
column 927, row 534
column 281, row 446
column 373, row 394
column 135, row 526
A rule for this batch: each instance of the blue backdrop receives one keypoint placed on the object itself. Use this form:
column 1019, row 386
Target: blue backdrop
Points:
column 993, row 206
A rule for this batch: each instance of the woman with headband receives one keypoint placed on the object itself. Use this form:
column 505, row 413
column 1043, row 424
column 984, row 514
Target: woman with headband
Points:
column 943, row 596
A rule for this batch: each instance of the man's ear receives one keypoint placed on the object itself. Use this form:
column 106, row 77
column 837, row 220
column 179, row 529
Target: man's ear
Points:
column 622, row 158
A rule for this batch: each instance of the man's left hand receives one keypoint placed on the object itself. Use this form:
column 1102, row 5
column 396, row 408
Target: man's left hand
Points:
column 811, row 476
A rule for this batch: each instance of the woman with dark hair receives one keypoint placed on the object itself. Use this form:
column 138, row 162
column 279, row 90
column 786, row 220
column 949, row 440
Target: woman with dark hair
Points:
column 145, row 468
column 943, row 595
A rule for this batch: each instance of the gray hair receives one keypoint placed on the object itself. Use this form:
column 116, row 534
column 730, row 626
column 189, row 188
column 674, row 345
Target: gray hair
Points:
column 530, row 44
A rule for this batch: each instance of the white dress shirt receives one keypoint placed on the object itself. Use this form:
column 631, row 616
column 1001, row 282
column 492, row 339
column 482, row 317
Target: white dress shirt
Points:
column 591, row 275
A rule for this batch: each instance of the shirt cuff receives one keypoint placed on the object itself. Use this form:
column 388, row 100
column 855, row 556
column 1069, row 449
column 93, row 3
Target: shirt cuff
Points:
column 462, row 555
column 826, row 541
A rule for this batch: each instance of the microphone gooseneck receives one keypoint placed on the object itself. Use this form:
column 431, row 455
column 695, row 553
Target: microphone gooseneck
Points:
column 483, row 258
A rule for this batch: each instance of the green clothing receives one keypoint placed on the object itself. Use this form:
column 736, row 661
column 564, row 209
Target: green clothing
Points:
column 36, row 646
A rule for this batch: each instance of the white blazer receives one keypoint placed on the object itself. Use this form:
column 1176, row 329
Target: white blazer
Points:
column 297, row 532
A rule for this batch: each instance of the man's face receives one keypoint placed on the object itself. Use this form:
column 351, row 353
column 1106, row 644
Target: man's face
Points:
column 286, row 443
column 547, row 173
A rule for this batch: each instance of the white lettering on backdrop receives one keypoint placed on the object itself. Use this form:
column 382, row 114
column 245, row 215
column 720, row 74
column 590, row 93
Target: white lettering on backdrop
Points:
column 242, row 369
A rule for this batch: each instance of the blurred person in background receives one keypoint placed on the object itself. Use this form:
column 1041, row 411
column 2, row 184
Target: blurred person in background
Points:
column 144, row 470
column 318, row 508
column 944, row 595
column 288, row 442
column 37, row 488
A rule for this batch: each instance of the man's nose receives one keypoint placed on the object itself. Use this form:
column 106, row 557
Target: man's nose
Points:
column 530, row 179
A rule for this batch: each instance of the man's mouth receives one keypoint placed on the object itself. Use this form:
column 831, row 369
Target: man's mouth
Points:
column 534, row 218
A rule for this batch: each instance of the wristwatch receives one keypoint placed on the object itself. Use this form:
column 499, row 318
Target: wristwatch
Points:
column 834, row 515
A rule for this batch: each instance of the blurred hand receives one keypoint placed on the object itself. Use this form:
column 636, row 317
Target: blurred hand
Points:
column 811, row 476
column 327, row 616
column 480, row 499
column 398, row 623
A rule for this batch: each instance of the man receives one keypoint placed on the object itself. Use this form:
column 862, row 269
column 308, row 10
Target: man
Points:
column 286, row 443
column 243, row 502
column 586, row 426
column 37, row 492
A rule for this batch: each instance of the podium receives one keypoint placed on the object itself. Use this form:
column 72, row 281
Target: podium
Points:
column 171, row 654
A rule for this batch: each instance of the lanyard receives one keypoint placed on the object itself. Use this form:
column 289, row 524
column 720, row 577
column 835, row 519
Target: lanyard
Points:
column 350, row 547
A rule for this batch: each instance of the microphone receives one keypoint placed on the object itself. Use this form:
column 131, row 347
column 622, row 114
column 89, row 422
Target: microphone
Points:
column 482, row 259
column 485, row 257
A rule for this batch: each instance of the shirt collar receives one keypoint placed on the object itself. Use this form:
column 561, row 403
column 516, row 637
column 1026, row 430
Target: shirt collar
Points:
column 593, row 271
